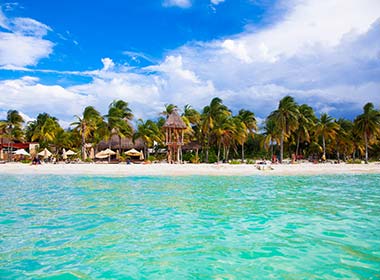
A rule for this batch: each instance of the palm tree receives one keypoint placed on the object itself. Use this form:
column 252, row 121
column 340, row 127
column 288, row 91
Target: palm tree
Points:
column 148, row 132
column 306, row 122
column 212, row 117
column 344, row 138
column 12, row 127
column 285, row 119
column 86, row 125
column 368, row 125
column 327, row 128
column 249, row 123
column 271, row 135
column 119, row 115
column 44, row 129
column 168, row 110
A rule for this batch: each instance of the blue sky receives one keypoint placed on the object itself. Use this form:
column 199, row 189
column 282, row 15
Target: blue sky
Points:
column 60, row 56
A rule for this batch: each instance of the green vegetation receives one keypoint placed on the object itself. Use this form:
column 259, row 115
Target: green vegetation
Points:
column 213, row 134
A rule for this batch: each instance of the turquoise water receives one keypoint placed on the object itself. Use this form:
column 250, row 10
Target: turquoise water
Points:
column 78, row 227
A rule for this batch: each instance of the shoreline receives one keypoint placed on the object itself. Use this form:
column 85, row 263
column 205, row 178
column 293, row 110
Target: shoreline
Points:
column 164, row 169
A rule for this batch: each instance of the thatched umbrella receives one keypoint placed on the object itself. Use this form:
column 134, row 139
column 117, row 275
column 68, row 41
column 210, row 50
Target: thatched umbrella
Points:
column 133, row 153
column 70, row 153
column 104, row 154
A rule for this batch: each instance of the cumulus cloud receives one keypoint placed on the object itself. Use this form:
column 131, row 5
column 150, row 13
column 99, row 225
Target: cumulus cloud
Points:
column 107, row 64
column 325, row 54
column 177, row 3
column 22, row 43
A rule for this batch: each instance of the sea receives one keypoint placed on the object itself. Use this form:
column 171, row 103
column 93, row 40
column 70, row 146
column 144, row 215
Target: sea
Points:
column 190, row 227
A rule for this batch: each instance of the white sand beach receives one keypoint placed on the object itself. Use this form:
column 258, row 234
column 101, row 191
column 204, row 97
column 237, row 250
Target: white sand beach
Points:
column 188, row 169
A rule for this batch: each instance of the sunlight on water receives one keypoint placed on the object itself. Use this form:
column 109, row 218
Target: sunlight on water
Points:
column 72, row 227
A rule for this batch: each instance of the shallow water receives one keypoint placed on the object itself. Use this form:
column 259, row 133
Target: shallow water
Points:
column 199, row 227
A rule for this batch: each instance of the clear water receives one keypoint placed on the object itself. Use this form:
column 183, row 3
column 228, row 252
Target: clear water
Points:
column 77, row 227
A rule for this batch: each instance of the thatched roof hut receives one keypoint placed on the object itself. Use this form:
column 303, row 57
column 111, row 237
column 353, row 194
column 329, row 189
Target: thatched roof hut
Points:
column 175, row 121
column 174, row 132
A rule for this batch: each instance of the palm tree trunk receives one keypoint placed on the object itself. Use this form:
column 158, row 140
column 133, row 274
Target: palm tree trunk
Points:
column 119, row 144
column 271, row 149
column 219, row 144
column 366, row 147
column 242, row 152
column 298, row 146
column 282, row 146
column 83, row 142
column 207, row 148
column 324, row 147
column 109, row 147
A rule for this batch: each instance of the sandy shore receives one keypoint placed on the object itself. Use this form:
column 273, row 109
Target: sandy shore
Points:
column 188, row 169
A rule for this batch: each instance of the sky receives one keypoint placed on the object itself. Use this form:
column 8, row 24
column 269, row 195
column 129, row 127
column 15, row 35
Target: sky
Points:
column 60, row 56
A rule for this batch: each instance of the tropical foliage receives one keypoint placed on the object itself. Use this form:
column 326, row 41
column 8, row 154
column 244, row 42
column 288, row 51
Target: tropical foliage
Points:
column 290, row 131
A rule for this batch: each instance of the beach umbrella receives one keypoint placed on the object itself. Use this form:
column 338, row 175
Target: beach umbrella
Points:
column 104, row 154
column 92, row 153
column 45, row 153
column 133, row 153
column 101, row 155
column 70, row 153
column 64, row 155
column 109, row 152
column 22, row 152
column 141, row 155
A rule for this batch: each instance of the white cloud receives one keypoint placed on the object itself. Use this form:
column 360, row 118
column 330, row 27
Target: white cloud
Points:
column 3, row 20
column 107, row 64
column 29, row 27
column 308, row 53
column 309, row 24
column 177, row 3
column 216, row 2
column 22, row 44
column 18, row 50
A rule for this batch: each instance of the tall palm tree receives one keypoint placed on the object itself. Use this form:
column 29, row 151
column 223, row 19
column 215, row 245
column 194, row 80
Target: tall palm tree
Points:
column 271, row 135
column 344, row 138
column 148, row 132
column 118, row 117
column 212, row 117
column 306, row 122
column 368, row 125
column 249, row 123
column 12, row 126
column 286, row 120
column 86, row 125
column 327, row 128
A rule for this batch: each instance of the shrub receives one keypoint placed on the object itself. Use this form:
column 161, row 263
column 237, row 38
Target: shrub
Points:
column 354, row 161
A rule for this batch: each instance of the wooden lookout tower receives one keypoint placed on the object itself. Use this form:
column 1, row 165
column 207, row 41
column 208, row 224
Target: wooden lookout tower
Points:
column 174, row 131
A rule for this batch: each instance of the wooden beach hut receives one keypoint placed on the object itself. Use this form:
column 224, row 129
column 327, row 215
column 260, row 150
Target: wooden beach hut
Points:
column 174, row 134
